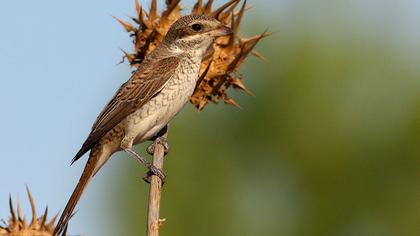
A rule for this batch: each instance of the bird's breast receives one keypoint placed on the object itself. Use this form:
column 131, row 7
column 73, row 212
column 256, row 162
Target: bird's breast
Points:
column 155, row 114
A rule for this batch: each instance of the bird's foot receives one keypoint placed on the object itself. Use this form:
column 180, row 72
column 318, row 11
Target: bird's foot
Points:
column 159, row 140
column 154, row 171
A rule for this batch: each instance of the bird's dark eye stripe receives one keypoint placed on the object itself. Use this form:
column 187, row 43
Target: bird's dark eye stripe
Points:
column 196, row 27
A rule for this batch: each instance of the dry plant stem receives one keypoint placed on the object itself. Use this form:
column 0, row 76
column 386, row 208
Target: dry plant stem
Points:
column 155, row 191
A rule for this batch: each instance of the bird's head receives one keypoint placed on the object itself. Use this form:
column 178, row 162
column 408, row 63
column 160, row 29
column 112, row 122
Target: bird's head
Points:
column 194, row 33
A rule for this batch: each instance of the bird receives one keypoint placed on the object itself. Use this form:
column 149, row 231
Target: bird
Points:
column 143, row 106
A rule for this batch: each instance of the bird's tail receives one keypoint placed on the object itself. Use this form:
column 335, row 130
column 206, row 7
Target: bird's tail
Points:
column 88, row 172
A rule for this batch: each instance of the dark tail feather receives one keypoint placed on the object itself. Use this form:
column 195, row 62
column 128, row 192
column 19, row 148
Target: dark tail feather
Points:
column 77, row 193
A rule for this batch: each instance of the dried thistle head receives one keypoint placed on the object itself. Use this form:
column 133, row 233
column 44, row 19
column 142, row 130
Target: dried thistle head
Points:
column 219, row 71
column 17, row 225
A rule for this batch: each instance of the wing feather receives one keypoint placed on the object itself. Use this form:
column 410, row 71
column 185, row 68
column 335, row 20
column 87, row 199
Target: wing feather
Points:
column 145, row 83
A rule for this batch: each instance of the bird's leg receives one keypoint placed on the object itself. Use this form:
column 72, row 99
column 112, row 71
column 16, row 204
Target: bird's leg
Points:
column 159, row 139
column 152, row 169
column 126, row 145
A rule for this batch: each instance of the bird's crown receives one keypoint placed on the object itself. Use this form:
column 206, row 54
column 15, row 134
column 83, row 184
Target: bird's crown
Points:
column 195, row 28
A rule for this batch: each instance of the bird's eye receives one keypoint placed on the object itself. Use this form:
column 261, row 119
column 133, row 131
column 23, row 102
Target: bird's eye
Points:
column 196, row 27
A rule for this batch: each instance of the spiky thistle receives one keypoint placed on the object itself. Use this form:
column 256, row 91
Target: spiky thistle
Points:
column 219, row 71
column 17, row 225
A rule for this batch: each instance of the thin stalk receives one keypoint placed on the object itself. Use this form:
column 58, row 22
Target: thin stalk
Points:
column 155, row 192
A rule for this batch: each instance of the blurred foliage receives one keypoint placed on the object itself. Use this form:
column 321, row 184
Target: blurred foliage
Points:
column 329, row 145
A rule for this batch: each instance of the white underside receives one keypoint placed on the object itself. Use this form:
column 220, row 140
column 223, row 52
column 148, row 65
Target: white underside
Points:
column 146, row 122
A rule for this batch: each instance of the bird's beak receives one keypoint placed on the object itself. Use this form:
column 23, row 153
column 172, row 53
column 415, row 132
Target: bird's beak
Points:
column 221, row 31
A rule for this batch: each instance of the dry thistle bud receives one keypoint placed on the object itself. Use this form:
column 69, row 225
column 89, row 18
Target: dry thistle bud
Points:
column 17, row 225
column 219, row 71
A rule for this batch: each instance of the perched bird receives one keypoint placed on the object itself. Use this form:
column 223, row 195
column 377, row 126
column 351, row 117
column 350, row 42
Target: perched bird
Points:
column 143, row 106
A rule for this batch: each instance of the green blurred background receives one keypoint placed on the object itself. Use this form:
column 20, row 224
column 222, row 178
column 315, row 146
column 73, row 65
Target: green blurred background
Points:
column 329, row 144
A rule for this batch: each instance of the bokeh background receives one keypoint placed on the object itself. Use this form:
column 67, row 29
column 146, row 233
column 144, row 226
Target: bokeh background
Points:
column 329, row 144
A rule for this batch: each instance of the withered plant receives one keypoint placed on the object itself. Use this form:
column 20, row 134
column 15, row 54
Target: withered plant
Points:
column 18, row 225
column 220, row 70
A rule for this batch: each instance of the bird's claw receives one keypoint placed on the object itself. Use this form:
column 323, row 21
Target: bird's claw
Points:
column 159, row 140
column 154, row 171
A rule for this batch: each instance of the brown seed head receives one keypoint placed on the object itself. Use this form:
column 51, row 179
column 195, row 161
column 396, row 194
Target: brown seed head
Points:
column 219, row 71
column 18, row 225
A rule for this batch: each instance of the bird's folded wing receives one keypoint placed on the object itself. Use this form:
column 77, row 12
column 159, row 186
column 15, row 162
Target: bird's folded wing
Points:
column 148, row 81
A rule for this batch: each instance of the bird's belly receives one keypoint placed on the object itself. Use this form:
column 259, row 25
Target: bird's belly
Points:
column 160, row 110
